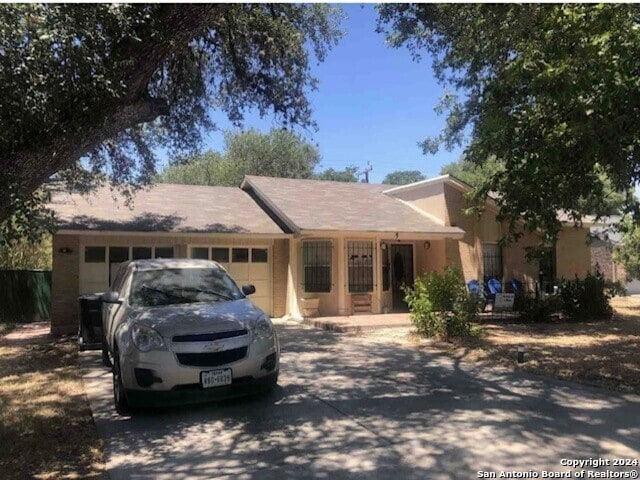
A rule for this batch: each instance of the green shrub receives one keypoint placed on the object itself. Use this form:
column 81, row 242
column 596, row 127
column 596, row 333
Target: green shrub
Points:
column 440, row 304
column 588, row 298
column 539, row 309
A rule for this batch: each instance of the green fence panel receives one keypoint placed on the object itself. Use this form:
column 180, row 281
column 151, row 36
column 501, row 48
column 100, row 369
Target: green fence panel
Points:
column 25, row 295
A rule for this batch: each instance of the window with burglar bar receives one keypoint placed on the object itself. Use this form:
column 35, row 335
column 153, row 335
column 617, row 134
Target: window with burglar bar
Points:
column 316, row 262
column 492, row 260
column 360, row 262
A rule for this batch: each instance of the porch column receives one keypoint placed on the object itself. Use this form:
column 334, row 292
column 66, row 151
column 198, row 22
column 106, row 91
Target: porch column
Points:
column 343, row 306
column 293, row 281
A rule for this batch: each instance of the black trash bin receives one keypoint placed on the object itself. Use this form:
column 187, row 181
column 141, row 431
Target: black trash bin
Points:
column 90, row 332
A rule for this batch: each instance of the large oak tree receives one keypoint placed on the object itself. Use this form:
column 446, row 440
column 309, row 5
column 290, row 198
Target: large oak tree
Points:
column 551, row 93
column 100, row 87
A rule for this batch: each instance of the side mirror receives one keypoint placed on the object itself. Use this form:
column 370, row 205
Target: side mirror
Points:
column 248, row 289
column 111, row 297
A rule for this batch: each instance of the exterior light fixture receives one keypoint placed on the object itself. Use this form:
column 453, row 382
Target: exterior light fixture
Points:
column 65, row 250
column 427, row 245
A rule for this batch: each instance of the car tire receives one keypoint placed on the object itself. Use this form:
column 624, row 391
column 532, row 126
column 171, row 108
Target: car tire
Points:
column 106, row 361
column 119, row 395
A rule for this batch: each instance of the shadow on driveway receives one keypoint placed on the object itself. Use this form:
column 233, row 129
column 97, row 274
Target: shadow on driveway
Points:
column 347, row 408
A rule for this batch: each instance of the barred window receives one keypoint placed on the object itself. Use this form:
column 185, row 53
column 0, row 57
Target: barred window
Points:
column 316, row 261
column 492, row 260
column 360, row 258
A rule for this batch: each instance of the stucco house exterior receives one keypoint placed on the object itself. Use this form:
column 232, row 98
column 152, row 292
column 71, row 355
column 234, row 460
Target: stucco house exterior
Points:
column 342, row 248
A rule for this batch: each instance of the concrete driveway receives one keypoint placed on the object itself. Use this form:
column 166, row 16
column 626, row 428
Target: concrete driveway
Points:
column 350, row 408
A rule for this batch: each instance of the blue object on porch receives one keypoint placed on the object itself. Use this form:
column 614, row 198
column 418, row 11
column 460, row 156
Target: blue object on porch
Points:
column 516, row 286
column 474, row 287
column 492, row 287
column 495, row 286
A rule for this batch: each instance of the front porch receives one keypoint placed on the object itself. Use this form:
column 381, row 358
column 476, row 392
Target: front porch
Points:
column 342, row 274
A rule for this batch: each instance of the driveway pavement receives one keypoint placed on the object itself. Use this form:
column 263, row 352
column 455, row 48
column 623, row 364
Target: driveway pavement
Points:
column 351, row 408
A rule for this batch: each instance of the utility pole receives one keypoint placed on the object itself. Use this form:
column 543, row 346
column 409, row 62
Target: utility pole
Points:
column 365, row 172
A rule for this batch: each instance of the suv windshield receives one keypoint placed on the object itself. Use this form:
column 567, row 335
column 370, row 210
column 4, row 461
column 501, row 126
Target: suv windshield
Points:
column 182, row 285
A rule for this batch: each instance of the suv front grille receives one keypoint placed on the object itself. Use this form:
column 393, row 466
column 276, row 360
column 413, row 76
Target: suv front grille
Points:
column 209, row 337
column 212, row 359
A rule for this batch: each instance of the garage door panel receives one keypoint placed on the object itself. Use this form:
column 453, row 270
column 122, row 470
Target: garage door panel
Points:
column 246, row 265
column 239, row 271
column 259, row 271
column 262, row 287
column 261, row 302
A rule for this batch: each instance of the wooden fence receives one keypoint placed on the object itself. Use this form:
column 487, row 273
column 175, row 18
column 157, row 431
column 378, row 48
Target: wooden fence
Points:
column 25, row 295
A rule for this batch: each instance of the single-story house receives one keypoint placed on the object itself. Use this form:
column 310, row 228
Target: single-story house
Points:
column 345, row 247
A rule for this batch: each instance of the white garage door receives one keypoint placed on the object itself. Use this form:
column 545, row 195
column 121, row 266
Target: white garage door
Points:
column 99, row 263
column 246, row 265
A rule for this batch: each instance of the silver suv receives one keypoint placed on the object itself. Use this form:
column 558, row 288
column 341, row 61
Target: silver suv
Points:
column 181, row 331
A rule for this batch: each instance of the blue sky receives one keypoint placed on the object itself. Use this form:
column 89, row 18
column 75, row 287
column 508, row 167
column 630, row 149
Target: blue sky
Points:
column 373, row 104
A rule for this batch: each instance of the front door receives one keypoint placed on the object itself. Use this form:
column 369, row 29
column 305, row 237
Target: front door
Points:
column 401, row 274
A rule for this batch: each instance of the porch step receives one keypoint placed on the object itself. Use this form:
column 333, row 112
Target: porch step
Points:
column 361, row 303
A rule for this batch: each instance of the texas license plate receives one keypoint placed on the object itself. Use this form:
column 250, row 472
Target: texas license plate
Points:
column 216, row 378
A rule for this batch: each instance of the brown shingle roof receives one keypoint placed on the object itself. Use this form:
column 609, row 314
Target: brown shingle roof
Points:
column 341, row 206
column 164, row 208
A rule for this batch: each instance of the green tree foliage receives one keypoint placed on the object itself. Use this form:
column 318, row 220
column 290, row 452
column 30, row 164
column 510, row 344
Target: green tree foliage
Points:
column 551, row 91
column 26, row 255
column 279, row 153
column 606, row 203
column 403, row 177
column 471, row 173
column 627, row 252
column 112, row 83
column 349, row 174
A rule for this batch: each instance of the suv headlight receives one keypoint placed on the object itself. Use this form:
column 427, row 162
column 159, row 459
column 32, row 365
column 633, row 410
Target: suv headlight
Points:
column 146, row 338
column 262, row 328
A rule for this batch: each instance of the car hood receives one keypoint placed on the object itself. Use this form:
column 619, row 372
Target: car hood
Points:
column 193, row 318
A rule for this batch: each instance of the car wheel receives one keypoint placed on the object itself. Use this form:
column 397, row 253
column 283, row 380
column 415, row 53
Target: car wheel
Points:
column 106, row 361
column 119, row 395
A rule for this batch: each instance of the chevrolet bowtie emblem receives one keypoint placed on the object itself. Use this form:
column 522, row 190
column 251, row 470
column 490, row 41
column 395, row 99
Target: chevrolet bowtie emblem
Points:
column 213, row 347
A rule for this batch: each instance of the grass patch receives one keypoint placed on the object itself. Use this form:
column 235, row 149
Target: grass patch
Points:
column 604, row 353
column 46, row 426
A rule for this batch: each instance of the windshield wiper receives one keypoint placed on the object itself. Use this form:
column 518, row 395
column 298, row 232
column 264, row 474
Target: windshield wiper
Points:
column 212, row 292
column 167, row 294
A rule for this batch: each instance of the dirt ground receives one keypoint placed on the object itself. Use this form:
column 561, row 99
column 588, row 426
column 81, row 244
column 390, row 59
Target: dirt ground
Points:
column 46, row 427
column 601, row 353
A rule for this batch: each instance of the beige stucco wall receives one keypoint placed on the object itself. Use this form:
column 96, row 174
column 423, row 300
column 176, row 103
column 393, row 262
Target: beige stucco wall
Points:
column 428, row 198
column 466, row 254
column 515, row 260
column 66, row 267
column 573, row 254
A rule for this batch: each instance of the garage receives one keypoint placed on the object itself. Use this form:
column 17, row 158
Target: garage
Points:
column 99, row 263
column 246, row 264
